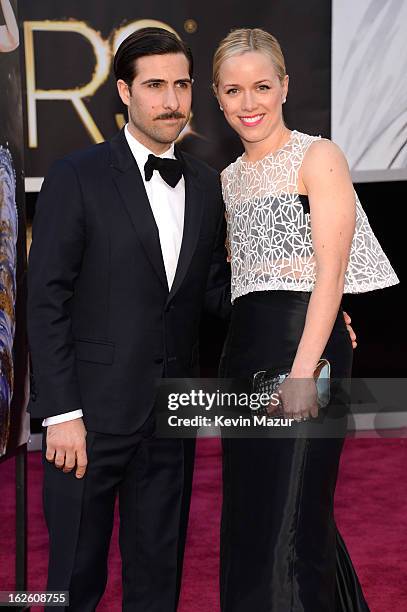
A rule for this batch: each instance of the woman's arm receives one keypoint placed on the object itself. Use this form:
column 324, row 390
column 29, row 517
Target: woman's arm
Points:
column 326, row 177
column 9, row 35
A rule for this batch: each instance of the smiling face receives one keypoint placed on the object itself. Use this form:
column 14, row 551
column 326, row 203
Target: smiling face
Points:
column 251, row 94
column 159, row 99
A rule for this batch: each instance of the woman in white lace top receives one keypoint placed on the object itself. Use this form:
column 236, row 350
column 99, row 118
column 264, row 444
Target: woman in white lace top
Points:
column 298, row 238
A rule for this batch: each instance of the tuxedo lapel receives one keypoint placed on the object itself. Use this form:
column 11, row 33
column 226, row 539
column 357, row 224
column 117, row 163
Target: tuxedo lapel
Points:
column 194, row 202
column 131, row 188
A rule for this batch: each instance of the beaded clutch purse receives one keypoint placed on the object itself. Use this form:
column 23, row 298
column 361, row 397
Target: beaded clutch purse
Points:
column 268, row 382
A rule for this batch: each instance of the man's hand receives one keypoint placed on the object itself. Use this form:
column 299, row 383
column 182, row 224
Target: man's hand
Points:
column 66, row 446
column 352, row 334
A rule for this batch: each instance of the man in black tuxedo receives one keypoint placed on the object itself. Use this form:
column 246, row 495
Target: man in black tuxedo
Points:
column 128, row 249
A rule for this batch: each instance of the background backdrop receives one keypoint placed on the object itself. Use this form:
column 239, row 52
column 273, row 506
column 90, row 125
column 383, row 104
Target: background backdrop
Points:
column 369, row 90
column 13, row 345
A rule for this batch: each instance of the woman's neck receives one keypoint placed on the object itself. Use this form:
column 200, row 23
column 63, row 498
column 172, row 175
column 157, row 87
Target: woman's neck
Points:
column 257, row 150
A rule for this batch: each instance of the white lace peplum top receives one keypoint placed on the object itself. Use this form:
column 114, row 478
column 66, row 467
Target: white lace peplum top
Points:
column 269, row 228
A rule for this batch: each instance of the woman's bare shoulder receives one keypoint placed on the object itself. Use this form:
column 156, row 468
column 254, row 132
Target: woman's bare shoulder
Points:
column 323, row 155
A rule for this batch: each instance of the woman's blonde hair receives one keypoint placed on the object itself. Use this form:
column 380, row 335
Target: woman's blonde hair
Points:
column 244, row 40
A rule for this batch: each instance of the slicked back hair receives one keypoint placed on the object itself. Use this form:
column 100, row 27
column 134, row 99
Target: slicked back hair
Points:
column 144, row 42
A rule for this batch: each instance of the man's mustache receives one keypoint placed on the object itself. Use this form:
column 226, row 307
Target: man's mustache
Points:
column 174, row 115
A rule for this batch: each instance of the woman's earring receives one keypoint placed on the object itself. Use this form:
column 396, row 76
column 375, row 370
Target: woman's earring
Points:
column 284, row 100
column 221, row 108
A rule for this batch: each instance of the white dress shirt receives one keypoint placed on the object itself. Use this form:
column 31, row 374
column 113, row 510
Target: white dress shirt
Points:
column 168, row 207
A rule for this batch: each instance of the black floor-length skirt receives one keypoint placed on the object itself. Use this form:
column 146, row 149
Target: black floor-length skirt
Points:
column 280, row 548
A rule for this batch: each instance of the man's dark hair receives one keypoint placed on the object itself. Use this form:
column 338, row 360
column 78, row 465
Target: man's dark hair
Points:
column 147, row 41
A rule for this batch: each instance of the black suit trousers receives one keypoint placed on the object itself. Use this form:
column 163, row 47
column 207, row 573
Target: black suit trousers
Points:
column 137, row 469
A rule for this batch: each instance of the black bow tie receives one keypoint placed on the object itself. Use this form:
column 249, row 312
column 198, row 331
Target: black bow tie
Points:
column 170, row 169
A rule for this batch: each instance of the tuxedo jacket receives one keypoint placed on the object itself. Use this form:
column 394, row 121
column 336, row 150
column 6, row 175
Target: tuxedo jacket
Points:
column 102, row 324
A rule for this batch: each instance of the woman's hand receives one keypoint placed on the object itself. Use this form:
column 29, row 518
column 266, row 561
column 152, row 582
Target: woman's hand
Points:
column 299, row 397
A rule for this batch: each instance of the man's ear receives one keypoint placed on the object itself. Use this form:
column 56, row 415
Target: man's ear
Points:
column 124, row 92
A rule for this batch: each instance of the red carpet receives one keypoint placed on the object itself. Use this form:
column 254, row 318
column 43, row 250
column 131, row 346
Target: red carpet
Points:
column 371, row 511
